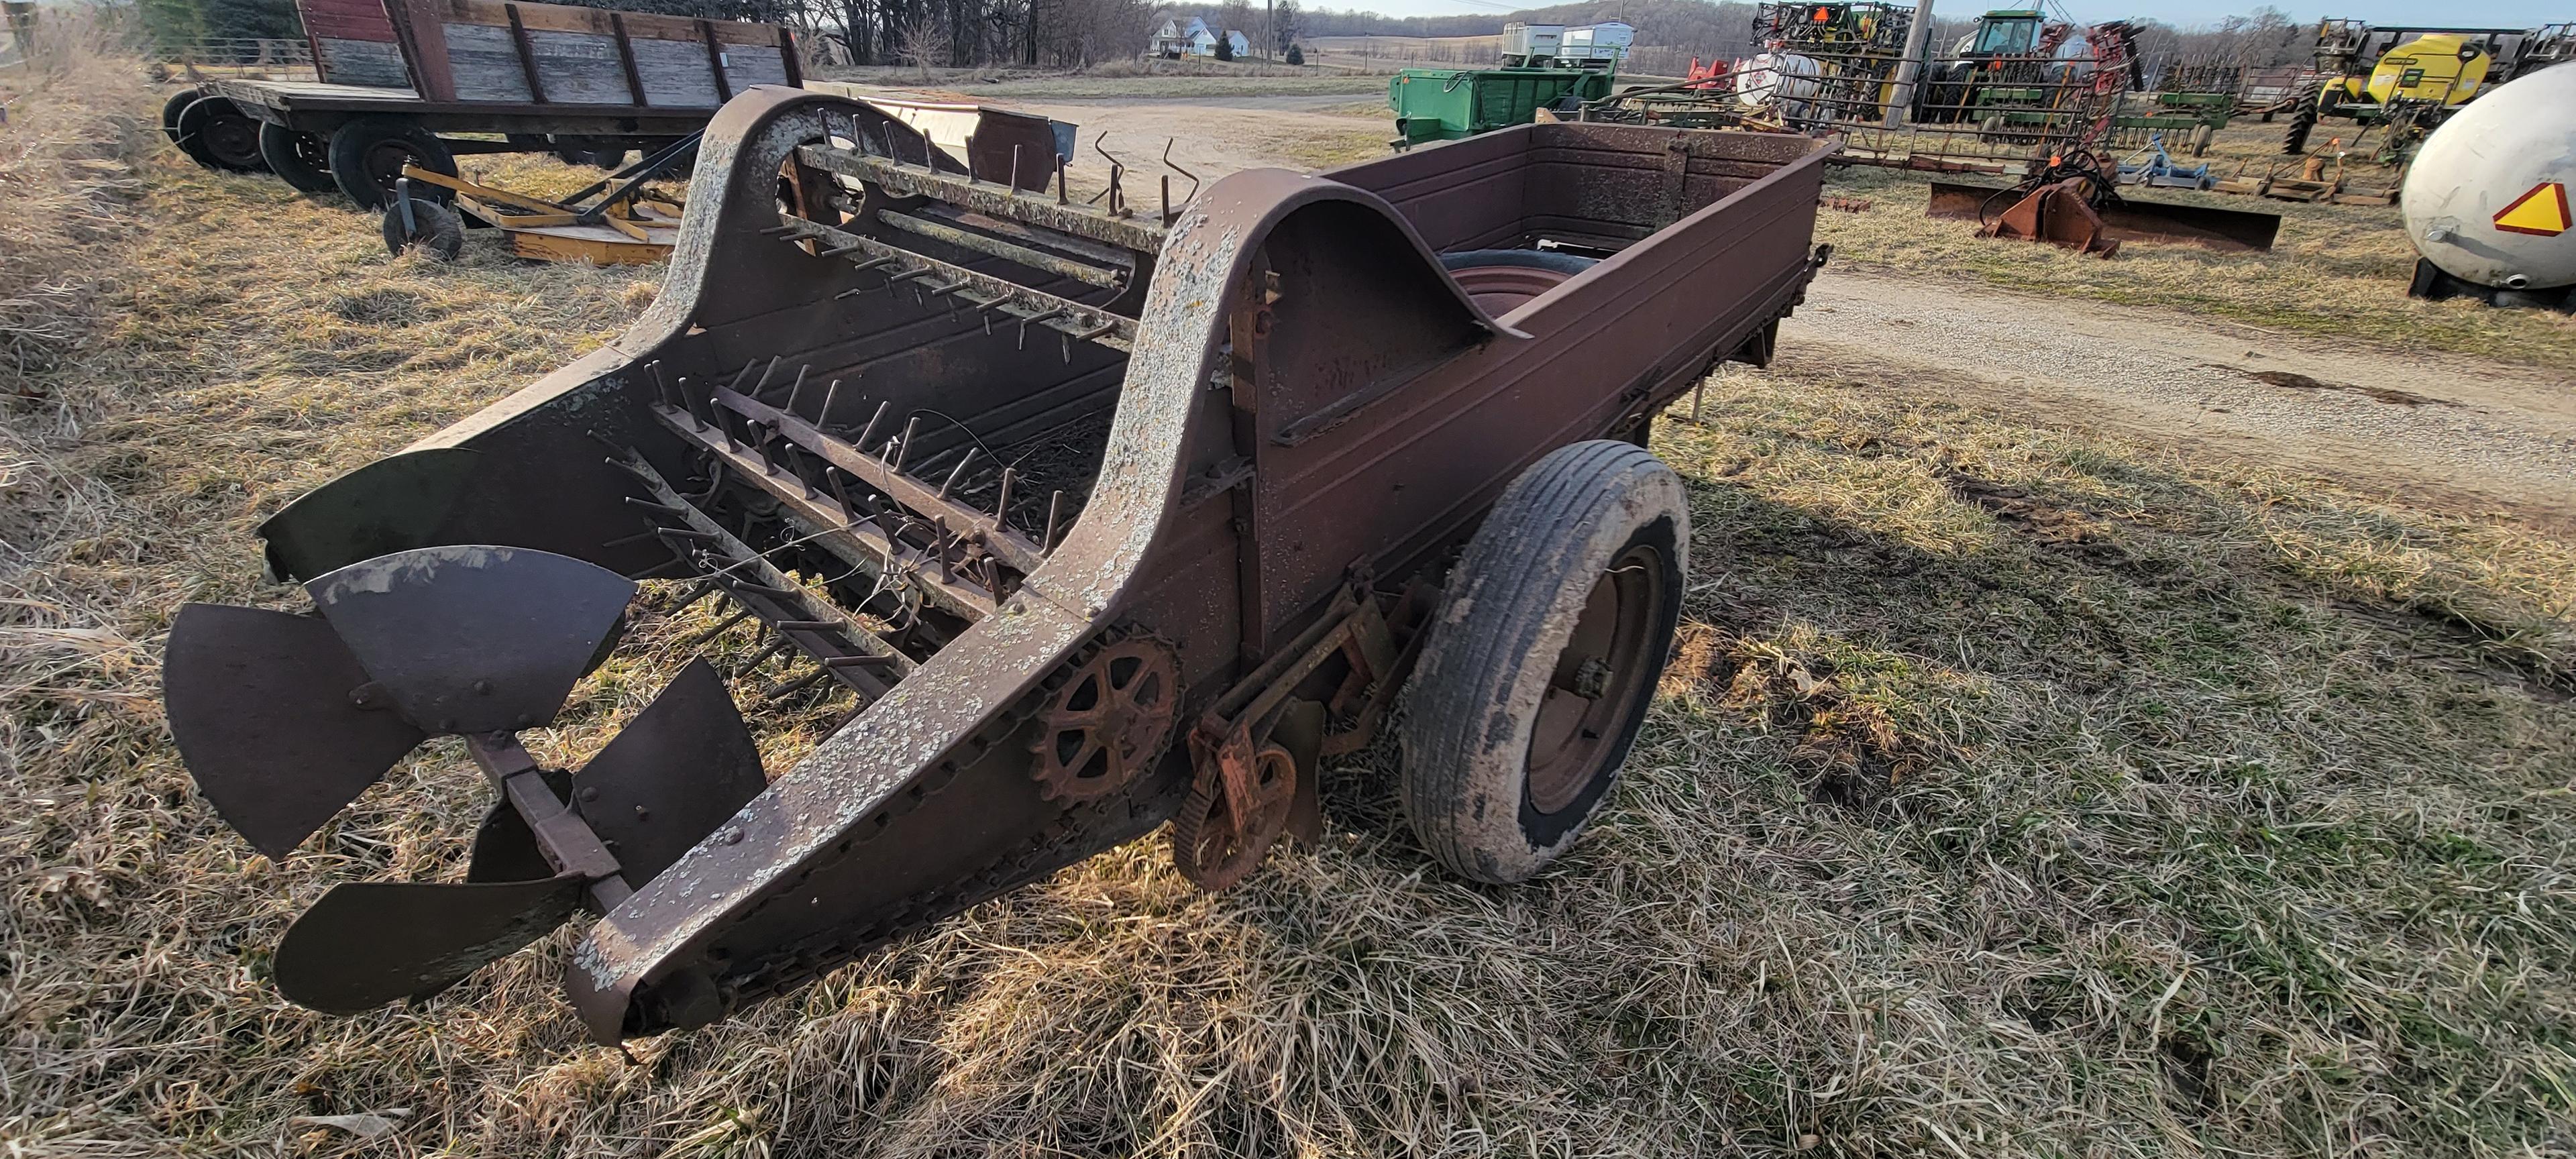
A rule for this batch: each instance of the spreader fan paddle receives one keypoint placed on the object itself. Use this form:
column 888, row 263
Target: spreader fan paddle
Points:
column 682, row 767
column 285, row 719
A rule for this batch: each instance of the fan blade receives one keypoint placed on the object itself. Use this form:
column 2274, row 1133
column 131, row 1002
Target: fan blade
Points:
column 392, row 504
column 474, row 639
column 682, row 767
column 369, row 943
column 260, row 704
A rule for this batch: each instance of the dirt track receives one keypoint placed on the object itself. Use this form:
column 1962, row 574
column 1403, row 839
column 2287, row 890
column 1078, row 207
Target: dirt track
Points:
column 2476, row 434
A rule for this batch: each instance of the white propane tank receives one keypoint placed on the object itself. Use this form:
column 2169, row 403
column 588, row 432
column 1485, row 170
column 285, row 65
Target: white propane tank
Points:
column 2488, row 197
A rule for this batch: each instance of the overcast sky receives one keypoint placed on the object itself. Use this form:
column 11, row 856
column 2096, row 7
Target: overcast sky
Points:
column 2492, row 14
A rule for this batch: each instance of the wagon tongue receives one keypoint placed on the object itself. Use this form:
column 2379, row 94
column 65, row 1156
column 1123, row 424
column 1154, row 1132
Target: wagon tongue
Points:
column 284, row 719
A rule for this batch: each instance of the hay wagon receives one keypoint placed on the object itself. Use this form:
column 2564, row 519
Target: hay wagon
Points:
column 399, row 79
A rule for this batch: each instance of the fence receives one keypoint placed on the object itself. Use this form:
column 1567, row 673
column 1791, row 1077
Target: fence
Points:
column 244, row 54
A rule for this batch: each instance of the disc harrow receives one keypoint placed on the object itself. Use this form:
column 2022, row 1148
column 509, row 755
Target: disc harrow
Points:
column 1081, row 517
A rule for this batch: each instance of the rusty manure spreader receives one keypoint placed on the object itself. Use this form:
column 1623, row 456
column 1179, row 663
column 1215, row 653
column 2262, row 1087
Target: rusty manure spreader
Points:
column 1099, row 516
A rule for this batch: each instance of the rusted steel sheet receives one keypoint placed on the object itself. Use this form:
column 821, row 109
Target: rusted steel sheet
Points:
column 1309, row 413
column 2131, row 219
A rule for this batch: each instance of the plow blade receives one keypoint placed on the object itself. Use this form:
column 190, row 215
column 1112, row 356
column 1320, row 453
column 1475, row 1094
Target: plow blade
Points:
column 366, row 944
column 2228, row 230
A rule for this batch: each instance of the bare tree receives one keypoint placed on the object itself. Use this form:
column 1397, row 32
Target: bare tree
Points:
column 923, row 39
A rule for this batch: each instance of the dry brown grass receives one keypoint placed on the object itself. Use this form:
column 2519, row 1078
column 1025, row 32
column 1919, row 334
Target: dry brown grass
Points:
column 2338, row 271
column 2016, row 792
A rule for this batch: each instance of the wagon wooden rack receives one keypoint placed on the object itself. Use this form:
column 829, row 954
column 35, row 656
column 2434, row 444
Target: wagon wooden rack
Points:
column 400, row 78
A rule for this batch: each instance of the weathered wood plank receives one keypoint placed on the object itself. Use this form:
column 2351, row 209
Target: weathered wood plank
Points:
column 365, row 63
column 579, row 68
column 484, row 62
column 676, row 74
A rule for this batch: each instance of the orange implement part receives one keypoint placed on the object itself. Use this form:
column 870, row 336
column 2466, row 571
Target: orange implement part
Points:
column 2057, row 214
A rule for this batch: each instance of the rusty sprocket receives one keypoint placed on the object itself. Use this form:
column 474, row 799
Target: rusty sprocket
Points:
column 1108, row 722
column 1209, row 846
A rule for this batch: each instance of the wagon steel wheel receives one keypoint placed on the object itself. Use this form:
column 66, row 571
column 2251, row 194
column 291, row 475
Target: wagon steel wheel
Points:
column 302, row 160
column 368, row 155
column 1209, row 848
column 170, row 110
column 215, row 133
column 1542, row 658
column 433, row 228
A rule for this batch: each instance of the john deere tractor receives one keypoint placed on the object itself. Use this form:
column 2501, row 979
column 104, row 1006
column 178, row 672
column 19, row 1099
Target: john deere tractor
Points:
column 2410, row 79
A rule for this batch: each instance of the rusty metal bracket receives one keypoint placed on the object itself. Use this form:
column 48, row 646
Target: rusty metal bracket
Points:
column 1228, row 736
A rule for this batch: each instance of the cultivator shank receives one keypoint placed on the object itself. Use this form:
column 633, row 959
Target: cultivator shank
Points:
column 1084, row 518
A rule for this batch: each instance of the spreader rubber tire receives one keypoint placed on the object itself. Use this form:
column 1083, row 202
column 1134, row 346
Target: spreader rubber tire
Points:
column 170, row 110
column 1582, row 556
column 299, row 159
column 439, row 231
column 367, row 154
column 215, row 133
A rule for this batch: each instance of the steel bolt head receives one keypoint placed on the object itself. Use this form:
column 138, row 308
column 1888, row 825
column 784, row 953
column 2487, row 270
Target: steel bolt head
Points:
column 729, row 837
column 482, row 688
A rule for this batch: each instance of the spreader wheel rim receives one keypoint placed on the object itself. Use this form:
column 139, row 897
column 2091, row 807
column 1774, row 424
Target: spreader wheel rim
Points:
column 1614, row 655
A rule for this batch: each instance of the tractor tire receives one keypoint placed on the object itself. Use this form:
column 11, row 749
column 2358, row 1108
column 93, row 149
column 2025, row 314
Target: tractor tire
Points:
column 1542, row 658
column 302, row 160
column 170, row 110
column 2303, row 119
column 367, row 154
column 215, row 133
column 435, row 229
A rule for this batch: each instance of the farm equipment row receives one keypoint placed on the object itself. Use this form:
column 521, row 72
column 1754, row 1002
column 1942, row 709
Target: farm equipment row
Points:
column 1087, row 516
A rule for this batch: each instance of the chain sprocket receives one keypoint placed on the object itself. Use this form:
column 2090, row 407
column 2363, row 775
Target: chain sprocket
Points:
column 1210, row 846
column 1108, row 722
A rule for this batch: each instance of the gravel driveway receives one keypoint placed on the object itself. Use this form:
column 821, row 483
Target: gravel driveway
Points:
column 2484, row 435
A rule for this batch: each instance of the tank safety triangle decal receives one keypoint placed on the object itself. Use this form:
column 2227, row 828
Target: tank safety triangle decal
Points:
column 2541, row 212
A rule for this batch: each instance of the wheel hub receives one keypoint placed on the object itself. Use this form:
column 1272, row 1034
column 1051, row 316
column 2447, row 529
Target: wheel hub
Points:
column 1596, row 681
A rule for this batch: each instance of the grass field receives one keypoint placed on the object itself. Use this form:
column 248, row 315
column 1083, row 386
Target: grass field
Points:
column 2014, row 792
column 2337, row 270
